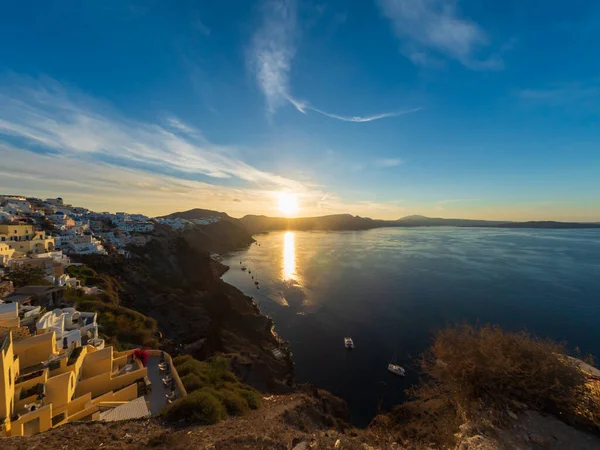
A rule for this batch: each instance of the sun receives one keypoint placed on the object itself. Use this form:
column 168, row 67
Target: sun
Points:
column 287, row 203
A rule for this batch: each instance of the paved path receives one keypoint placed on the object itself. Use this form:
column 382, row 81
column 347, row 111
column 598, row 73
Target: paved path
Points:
column 157, row 397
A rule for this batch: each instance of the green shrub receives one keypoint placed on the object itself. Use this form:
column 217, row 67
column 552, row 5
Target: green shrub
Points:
column 199, row 406
column 192, row 382
column 252, row 398
column 234, row 402
column 193, row 366
column 182, row 359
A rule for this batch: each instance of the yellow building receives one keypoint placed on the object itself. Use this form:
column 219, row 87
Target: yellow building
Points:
column 42, row 386
column 24, row 239
column 6, row 252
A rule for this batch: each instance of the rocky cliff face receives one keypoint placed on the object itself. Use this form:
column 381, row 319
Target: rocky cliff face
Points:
column 174, row 280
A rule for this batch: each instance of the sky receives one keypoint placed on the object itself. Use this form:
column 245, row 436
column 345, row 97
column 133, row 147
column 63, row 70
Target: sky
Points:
column 379, row 108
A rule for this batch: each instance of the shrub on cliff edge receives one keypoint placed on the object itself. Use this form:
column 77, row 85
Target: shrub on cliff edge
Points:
column 481, row 375
column 199, row 406
column 214, row 379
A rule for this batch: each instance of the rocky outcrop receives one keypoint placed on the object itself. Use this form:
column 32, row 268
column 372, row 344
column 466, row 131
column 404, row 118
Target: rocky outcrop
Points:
column 526, row 430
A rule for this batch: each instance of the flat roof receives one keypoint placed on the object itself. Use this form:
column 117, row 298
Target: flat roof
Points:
column 135, row 409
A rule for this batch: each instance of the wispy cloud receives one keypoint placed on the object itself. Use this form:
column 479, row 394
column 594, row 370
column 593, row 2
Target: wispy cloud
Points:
column 58, row 141
column 432, row 29
column 388, row 162
column 558, row 94
column 67, row 122
column 271, row 56
column 273, row 49
column 304, row 107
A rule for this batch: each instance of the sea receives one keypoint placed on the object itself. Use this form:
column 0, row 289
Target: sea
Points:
column 391, row 289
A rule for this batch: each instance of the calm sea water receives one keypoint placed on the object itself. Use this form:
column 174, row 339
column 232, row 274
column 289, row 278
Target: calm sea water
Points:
column 390, row 289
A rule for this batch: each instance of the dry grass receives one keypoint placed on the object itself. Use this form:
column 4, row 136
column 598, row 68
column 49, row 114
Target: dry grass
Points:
column 480, row 374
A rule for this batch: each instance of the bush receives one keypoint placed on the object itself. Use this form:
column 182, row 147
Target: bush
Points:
column 252, row 398
column 214, row 379
column 199, row 406
column 476, row 374
column 192, row 366
column 234, row 402
column 182, row 359
column 192, row 382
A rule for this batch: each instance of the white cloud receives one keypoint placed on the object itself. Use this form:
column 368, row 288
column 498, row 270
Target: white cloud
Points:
column 362, row 118
column 560, row 94
column 59, row 142
column 271, row 56
column 435, row 26
column 69, row 123
column 388, row 162
column 273, row 48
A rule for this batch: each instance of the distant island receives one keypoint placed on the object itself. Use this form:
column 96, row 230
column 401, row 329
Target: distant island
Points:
column 341, row 222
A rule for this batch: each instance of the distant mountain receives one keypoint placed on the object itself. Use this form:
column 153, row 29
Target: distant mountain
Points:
column 197, row 213
column 340, row 222
column 422, row 221
column 337, row 222
column 549, row 224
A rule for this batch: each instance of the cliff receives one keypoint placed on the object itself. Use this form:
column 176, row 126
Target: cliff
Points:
column 174, row 280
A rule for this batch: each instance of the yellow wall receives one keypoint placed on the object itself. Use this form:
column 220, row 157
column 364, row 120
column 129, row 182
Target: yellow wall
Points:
column 37, row 245
column 60, row 389
column 35, row 349
column 75, row 367
column 97, row 363
column 79, row 404
column 9, row 368
column 103, row 383
column 45, row 421
column 123, row 395
column 32, row 382
column 18, row 231
column 5, row 251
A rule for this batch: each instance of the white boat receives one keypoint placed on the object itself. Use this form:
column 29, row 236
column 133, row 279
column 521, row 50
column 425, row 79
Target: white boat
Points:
column 349, row 343
column 396, row 369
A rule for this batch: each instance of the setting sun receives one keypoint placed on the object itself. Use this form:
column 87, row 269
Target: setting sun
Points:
column 287, row 203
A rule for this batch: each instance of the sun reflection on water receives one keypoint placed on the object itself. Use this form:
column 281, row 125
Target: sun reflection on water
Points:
column 289, row 257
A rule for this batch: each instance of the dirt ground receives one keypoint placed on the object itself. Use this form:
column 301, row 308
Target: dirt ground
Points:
column 280, row 424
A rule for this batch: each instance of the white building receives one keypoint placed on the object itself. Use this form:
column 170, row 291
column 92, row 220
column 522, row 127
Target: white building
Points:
column 70, row 326
column 79, row 244
column 20, row 205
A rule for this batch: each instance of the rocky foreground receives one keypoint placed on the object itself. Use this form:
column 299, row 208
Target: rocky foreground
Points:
column 299, row 422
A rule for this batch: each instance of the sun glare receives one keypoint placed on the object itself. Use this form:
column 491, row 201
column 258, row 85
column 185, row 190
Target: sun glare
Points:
column 287, row 203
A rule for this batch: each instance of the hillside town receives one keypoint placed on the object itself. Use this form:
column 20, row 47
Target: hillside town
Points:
column 55, row 366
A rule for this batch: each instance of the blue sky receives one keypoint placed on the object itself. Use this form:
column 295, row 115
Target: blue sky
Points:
column 380, row 108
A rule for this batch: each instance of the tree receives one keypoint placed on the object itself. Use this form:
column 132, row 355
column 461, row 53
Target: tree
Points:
column 47, row 225
column 25, row 276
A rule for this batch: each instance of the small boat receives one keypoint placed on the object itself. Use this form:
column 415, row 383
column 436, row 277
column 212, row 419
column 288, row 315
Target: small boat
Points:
column 349, row 343
column 256, row 283
column 396, row 369
column 249, row 271
column 244, row 268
